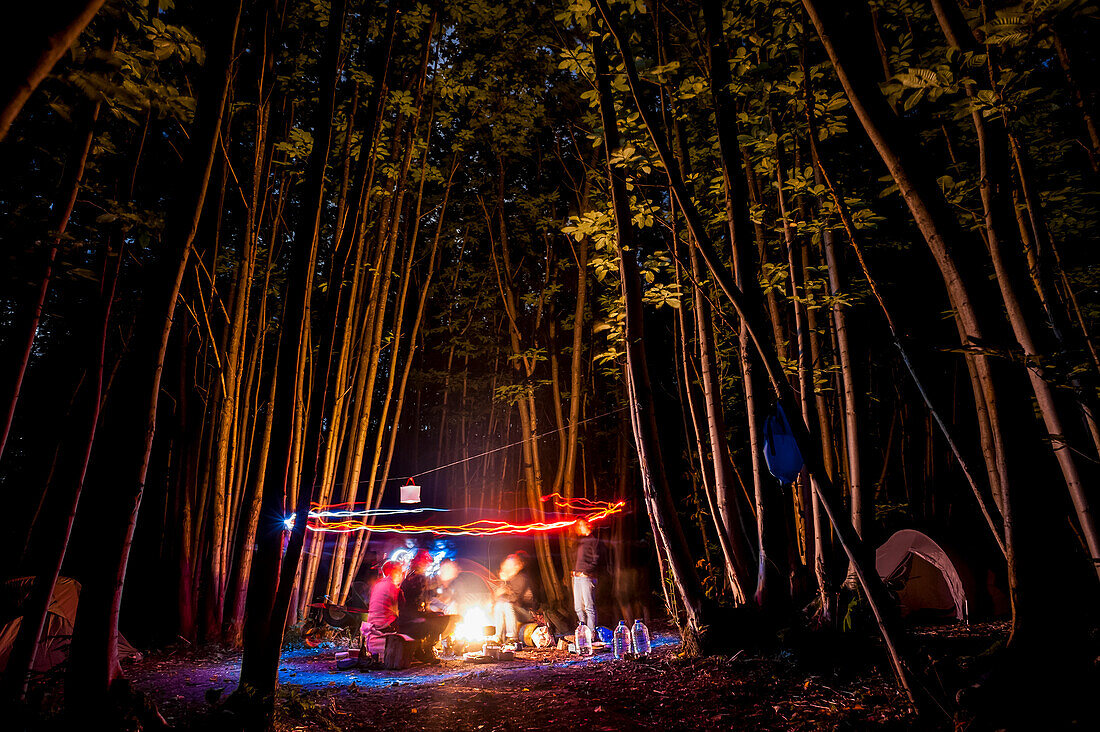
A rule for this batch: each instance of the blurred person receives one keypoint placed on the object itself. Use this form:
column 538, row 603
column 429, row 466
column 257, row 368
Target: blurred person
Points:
column 414, row 588
column 382, row 611
column 414, row 619
column 516, row 600
column 444, row 595
column 585, row 567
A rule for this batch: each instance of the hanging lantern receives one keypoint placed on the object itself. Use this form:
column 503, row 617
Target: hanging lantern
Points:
column 410, row 492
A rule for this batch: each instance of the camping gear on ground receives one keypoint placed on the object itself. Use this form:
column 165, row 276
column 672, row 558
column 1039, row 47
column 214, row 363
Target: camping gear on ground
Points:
column 639, row 638
column 603, row 635
column 583, row 640
column 53, row 645
column 621, row 642
column 346, row 658
column 781, row 451
column 536, row 635
column 323, row 614
column 925, row 579
column 491, row 649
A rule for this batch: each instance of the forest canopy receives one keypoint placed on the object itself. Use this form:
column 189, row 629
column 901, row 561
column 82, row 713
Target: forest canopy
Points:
column 260, row 255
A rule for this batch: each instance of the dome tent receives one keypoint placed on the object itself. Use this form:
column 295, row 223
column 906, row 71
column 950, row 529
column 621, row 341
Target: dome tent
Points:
column 53, row 646
column 927, row 581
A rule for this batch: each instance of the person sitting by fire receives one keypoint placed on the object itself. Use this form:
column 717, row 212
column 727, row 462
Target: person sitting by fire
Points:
column 414, row 588
column 444, row 595
column 516, row 600
column 413, row 619
column 382, row 611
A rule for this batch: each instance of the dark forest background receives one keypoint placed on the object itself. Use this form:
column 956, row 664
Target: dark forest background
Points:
column 262, row 253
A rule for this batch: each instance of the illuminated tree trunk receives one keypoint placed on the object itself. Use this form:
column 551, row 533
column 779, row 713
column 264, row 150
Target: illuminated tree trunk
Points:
column 273, row 574
column 93, row 663
column 658, row 498
column 769, row 591
column 37, row 37
column 869, row 580
column 523, row 365
column 996, row 198
column 815, row 522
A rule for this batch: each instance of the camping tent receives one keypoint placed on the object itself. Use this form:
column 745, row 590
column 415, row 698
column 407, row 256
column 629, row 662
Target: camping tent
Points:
column 925, row 578
column 53, row 647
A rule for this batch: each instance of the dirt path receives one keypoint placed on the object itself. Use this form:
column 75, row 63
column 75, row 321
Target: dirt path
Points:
column 540, row 690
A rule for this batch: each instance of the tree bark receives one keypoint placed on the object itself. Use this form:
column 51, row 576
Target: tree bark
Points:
column 37, row 37
column 93, row 663
column 658, row 496
column 272, row 577
column 872, row 585
column 69, row 190
column 69, row 479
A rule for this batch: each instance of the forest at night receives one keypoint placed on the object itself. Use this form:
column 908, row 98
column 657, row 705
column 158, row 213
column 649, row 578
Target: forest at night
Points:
column 594, row 364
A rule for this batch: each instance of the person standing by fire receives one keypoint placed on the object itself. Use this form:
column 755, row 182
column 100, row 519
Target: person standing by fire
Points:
column 585, row 568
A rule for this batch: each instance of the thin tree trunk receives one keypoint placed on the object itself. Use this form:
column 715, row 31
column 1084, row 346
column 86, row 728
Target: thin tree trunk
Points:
column 70, row 479
column 37, row 37
column 63, row 209
column 989, row 513
column 735, row 182
column 1082, row 97
column 662, row 512
column 811, row 450
column 272, row 577
column 93, row 663
column 994, row 187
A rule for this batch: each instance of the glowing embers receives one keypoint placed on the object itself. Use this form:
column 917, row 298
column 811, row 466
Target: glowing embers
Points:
column 343, row 518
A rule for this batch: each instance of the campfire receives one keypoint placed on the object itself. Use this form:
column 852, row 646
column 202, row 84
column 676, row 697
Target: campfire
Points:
column 471, row 628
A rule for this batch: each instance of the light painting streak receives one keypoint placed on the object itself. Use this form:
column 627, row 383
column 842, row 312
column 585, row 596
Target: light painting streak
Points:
column 591, row 511
column 337, row 510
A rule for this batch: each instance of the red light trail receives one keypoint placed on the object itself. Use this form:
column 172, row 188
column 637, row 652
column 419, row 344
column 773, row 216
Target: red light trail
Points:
column 343, row 519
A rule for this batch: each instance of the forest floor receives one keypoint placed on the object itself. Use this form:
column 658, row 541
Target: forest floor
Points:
column 550, row 689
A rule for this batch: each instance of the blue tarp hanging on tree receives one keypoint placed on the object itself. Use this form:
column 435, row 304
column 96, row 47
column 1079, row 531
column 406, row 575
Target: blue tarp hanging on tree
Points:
column 781, row 451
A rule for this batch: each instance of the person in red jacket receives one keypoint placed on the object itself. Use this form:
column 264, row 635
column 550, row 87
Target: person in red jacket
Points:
column 385, row 597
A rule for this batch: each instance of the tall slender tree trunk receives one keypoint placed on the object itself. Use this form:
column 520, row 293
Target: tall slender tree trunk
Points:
column 273, row 574
column 93, row 661
column 62, row 211
column 34, row 40
column 735, row 172
column 1083, row 96
column 70, row 480
column 990, row 513
column 995, row 188
column 662, row 511
column 869, row 580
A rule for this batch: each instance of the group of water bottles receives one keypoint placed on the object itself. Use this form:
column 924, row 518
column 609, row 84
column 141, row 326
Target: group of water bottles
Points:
column 634, row 639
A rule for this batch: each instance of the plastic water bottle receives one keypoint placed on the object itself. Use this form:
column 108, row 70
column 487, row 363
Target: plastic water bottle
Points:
column 584, row 640
column 639, row 638
column 621, row 641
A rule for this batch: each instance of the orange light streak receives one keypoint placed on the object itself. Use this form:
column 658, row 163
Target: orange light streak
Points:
column 593, row 511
